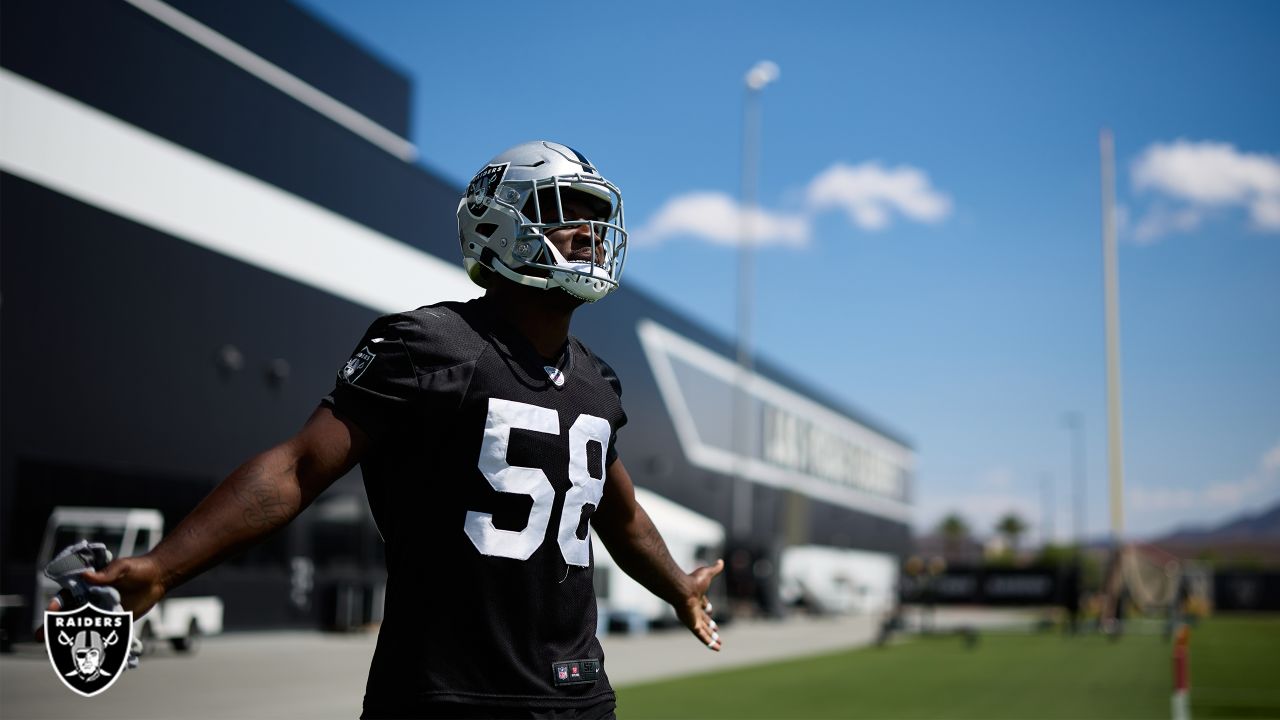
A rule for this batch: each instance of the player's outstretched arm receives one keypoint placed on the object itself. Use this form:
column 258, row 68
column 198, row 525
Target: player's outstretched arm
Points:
column 640, row 551
column 262, row 495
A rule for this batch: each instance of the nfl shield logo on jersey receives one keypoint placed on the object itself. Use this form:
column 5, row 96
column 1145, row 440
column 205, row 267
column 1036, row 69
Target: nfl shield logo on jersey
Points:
column 557, row 377
column 562, row 672
column 88, row 647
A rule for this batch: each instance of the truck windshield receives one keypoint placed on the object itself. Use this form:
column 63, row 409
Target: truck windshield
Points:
column 113, row 538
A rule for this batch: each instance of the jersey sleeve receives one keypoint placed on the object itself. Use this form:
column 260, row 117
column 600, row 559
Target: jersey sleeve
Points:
column 378, row 386
column 606, row 371
column 406, row 366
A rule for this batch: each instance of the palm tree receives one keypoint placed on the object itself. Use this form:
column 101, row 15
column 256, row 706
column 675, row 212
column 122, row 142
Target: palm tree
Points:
column 954, row 531
column 1011, row 526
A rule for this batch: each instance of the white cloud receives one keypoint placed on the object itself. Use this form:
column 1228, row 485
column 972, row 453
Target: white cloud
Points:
column 1161, row 220
column 1271, row 460
column 1162, row 499
column 871, row 194
column 718, row 218
column 1266, row 212
column 1234, row 494
column 1226, row 496
column 1204, row 176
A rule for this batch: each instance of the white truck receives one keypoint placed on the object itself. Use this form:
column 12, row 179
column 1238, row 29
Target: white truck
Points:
column 128, row 531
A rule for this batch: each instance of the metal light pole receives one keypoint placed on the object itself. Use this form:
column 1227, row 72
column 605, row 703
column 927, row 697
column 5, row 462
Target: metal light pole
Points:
column 760, row 75
column 1075, row 424
column 1047, row 510
column 1111, row 273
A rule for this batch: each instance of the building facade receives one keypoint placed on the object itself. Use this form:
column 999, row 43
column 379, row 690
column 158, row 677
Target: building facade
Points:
column 204, row 204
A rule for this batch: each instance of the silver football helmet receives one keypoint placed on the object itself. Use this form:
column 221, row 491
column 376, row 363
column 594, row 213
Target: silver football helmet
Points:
column 511, row 203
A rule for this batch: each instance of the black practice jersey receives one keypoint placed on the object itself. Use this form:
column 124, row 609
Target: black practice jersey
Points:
column 485, row 465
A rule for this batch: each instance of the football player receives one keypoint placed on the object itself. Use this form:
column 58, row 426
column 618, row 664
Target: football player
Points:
column 486, row 434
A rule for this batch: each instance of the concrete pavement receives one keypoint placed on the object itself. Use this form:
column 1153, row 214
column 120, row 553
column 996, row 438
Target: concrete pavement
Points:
column 314, row 675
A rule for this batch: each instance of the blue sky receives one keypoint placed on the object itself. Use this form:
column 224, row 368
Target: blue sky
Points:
column 930, row 191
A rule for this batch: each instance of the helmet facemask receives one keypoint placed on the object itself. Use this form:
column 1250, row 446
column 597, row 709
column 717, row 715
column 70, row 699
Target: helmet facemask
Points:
column 545, row 211
column 509, row 208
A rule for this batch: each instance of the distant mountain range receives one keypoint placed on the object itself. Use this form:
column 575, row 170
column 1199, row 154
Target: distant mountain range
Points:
column 1254, row 526
column 1252, row 538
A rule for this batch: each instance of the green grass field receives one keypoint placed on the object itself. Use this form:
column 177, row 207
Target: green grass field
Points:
column 1235, row 673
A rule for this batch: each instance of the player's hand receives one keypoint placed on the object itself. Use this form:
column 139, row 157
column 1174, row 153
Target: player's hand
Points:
column 695, row 611
column 137, row 579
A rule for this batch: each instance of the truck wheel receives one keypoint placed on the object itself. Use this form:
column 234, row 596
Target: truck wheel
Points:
column 147, row 636
column 190, row 643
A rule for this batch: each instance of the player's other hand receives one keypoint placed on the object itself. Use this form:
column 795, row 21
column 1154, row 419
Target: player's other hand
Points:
column 139, row 580
column 695, row 611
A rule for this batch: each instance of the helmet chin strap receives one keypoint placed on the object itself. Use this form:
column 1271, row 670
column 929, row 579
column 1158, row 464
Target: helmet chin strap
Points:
column 581, row 279
column 519, row 278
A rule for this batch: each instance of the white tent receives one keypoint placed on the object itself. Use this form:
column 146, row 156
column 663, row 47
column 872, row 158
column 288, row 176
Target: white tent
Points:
column 693, row 540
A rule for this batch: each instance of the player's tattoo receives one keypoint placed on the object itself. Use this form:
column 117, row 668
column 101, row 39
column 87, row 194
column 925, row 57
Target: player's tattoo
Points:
column 651, row 540
column 649, row 561
column 261, row 500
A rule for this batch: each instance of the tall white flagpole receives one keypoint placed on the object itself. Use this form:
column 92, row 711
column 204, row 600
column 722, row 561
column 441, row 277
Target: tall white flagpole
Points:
column 1111, row 272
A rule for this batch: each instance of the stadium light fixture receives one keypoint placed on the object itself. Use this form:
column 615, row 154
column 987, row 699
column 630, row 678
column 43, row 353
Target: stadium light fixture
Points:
column 761, row 74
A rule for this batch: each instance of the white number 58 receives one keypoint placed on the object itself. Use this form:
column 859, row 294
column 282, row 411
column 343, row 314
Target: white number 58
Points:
column 505, row 416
